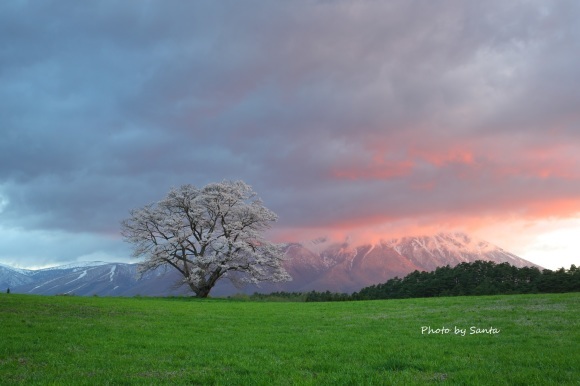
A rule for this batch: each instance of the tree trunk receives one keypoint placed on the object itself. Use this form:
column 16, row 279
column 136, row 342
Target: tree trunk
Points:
column 200, row 292
column 203, row 292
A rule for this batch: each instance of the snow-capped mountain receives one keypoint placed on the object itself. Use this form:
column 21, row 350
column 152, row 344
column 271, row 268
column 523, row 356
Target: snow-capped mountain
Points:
column 316, row 265
column 342, row 267
column 90, row 278
column 12, row 277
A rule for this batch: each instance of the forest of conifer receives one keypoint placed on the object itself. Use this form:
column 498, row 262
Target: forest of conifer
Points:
column 476, row 278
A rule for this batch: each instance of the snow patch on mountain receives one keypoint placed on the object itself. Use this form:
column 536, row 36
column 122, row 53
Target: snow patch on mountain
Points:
column 19, row 270
column 113, row 268
column 78, row 266
column 78, row 278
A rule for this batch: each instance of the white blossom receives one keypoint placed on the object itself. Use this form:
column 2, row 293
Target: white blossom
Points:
column 207, row 234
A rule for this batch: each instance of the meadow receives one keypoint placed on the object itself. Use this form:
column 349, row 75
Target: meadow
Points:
column 485, row 340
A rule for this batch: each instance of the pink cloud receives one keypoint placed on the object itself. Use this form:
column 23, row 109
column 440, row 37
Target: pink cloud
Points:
column 377, row 170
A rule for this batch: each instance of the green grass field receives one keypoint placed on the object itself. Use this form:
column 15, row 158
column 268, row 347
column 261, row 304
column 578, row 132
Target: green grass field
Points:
column 125, row 341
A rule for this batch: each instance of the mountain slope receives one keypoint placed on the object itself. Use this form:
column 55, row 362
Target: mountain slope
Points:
column 12, row 277
column 98, row 278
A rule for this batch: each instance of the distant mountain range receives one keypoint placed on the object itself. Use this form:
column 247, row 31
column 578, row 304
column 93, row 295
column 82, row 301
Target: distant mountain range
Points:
column 315, row 265
column 90, row 278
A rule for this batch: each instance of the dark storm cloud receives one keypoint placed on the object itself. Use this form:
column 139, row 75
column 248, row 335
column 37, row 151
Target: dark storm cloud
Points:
column 335, row 112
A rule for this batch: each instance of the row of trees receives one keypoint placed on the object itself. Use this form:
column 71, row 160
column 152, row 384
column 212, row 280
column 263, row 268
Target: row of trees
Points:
column 281, row 296
column 477, row 278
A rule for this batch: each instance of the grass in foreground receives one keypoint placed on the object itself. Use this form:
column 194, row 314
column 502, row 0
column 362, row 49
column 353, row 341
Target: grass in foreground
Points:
column 74, row 340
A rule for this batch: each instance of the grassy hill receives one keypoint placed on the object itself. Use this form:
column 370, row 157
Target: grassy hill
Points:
column 522, row 340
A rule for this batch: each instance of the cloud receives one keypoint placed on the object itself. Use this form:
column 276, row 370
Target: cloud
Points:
column 39, row 248
column 344, row 116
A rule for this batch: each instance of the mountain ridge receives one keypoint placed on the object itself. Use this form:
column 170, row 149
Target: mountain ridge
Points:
column 319, row 265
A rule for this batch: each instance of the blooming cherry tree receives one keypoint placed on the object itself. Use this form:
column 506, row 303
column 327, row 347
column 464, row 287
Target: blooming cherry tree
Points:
column 207, row 234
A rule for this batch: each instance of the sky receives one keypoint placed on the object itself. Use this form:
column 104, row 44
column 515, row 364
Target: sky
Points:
column 354, row 120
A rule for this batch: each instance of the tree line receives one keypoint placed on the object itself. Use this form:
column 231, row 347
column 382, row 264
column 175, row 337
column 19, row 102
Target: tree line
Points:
column 476, row 278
